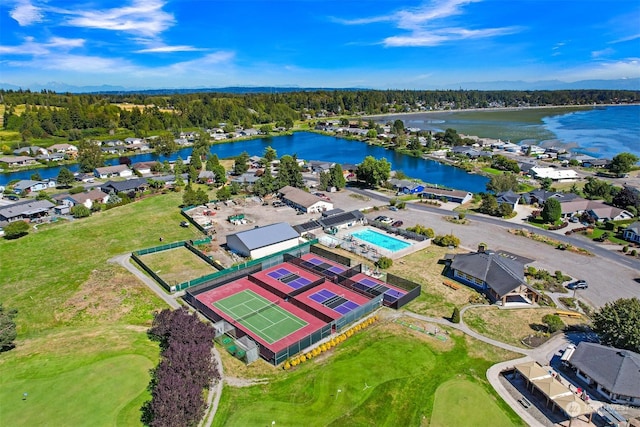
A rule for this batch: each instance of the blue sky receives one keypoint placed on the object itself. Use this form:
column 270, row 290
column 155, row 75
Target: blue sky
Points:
column 376, row 44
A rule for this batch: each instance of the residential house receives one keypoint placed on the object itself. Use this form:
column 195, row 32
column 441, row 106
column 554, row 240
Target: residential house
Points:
column 262, row 241
column 30, row 186
column 613, row 372
column 632, row 232
column 596, row 163
column 206, row 177
column 318, row 166
column 509, row 198
column 337, row 218
column 52, row 157
column 15, row 161
column 30, row 151
column 540, row 196
column 130, row 141
column 129, row 187
column 407, row 187
column 144, row 168
column 65, row 148
column 246, row 178
column 87, row 199
column 121, row 171
column 455, row 196
column 249, row 132
column 27, row 210
column 602, row 212
column 112, row 149
column 499, row 275
column 303, row 201
column 470, row 152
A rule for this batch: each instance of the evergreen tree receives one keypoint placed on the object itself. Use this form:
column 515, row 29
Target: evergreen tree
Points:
column 289, row 172
column 337, row 177
column 8, row 332
column 618, row 324
column 455, row 317
column 65, row 178
column 552, row 210
column 89, row 156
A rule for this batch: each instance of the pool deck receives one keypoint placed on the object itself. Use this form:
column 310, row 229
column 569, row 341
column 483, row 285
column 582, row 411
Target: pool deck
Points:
column 371, row 251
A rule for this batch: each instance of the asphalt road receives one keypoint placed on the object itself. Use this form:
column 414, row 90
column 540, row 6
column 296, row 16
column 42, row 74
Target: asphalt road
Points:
column 610, row 274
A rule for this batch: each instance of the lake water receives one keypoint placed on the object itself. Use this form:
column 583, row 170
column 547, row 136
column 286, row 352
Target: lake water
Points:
column 311, row 146
column 599, row 132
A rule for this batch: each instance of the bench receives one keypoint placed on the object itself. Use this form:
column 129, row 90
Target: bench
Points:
column 451, row 285
column 524, row 402
column 569, row 314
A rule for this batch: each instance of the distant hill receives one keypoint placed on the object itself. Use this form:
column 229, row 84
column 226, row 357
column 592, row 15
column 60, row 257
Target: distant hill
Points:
column 619, row 84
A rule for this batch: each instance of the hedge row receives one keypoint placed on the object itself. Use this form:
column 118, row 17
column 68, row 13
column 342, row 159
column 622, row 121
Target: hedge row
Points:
column 329, row 344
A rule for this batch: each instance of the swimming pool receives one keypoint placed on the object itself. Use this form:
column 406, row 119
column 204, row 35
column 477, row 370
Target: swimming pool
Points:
column 382, row 240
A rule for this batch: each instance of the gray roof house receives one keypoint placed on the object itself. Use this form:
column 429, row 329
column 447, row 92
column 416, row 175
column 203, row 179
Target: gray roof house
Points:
column 128, row 186
column 455, row 196
column 632, row 232
column 27, row 210
column 262, row 241
column 615, row 373
column 500, row 275
column 508, row 197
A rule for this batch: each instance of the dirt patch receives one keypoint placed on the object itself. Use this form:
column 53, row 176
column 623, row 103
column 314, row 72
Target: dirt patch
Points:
column 245, row 382
column 109, row 295
column 510, row 326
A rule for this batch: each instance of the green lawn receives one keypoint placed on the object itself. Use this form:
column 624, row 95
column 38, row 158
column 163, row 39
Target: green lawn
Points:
column 461, row 402
column 82, row 352
column 492, row 171
column 381, row 377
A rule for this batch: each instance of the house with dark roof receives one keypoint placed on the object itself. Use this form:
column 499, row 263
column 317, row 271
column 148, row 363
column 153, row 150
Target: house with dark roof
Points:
column 601, row 212
column 304, row 201
column 499, row 275
column 27, row 210
column 615, row 373
column 342, row 219
column 632, row 232
column 455, row 196
column 13, row 161
column 509, row 198
column 129, row 186
column 262, row 241
column 405, row 186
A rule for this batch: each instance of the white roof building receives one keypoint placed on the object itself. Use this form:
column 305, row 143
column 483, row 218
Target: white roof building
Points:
column 555, row 174
column 262, row 241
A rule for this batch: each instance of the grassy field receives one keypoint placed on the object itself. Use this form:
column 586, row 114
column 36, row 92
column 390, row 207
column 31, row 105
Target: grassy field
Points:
column 436, row 299
column 82, row 350
column 461, row 402
column 510, row 326
column 177, row 265
column 387, row 375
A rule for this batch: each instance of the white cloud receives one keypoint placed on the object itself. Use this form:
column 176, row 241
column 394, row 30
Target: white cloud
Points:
column 427, row 25
column 600, row 53
column 142, row 17
column 625, row 68
column 168, row 49
column 626, row 39
column 31, row 47
column 26, row 13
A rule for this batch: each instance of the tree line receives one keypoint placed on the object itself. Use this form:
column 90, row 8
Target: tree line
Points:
column 72, row 115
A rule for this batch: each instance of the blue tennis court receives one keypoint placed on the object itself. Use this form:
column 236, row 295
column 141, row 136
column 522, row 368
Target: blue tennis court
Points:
column 334, row 301
column 289, row 278
column 374, row 288
column 325, row 266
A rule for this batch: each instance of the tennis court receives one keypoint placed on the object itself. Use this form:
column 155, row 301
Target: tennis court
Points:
column 293, row 280
column 375, row 288
column 266, row 319
column 334, row 301
column 322, row 265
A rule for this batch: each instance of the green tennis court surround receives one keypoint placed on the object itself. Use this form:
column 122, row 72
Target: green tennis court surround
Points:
column 264, row 318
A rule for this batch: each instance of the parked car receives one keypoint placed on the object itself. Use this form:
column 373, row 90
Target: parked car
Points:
column 387, row 220
column 397, row 224
column 12, row 197
column 574, row 219
column 393, row 208
column 380, row 218
column 184, row 224
column 578, row 284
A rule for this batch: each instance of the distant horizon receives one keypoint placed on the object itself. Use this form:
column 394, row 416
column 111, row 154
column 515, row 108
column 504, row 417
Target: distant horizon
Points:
column 378, row 45
column 617, row 84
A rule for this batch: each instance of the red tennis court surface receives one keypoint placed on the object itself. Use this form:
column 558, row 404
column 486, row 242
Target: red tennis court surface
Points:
column 313, row 323
column 326, row 299
column 286, row 277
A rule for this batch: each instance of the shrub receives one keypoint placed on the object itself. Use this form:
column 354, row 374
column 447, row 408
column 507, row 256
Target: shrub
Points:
column 625, row 248
column 634, row 252
column 553, row 322
column 76, row 190
column 16, row 229
column 401, row 205
column 384, row 262
column 447, row 240
column 462, row 215
column 455, row 317
column 80, row 211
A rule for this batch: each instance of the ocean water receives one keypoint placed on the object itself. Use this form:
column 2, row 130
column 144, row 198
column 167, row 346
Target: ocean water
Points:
column 601, row 132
